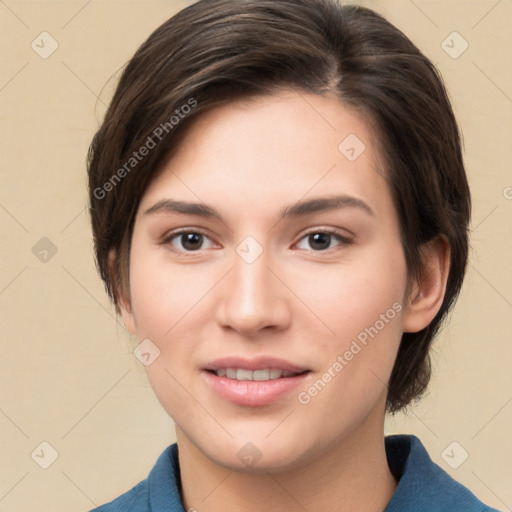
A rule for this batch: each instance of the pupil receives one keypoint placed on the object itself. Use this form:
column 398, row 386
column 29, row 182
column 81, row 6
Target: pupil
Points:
column 318, row 241
column 320, row 238
column 191, row 240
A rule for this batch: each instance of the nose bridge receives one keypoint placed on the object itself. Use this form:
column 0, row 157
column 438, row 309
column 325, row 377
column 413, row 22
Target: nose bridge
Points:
column 253, row 298
column 251, row 276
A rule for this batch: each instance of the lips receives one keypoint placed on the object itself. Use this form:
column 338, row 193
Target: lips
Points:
column 258, row 363
column 255, row 382
column 260, row 374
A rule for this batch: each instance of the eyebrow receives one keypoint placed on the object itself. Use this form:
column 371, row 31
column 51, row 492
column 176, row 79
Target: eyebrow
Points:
column 299, row 209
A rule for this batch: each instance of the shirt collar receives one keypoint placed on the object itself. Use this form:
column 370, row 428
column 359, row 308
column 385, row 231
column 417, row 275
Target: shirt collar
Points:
column 165, row 482
column 422, row 485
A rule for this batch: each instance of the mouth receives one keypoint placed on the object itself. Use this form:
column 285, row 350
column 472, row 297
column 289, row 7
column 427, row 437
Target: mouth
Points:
column 254, row 382
column 262, row 374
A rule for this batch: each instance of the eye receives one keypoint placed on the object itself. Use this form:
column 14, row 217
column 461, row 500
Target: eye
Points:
column 320, row 240
column 189, row 240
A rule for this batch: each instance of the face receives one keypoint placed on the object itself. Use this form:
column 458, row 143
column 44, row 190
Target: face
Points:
column 304, row 298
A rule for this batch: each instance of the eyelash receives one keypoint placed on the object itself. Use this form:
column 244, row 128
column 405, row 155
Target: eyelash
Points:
column 342, row 239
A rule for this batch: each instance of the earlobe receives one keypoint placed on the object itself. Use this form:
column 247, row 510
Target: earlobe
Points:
column 124, row 302
column 427, row 294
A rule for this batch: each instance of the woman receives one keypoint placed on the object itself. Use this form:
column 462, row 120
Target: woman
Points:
column 280, row 213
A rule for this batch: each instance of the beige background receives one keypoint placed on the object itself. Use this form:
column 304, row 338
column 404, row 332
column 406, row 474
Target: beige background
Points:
column 68, row 376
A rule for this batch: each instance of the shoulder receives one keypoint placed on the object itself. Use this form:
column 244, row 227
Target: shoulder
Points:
column 159, row 492
column 134, row 500
column 424, row 486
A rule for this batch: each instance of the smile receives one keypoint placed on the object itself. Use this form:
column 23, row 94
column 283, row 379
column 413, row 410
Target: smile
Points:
column 259, row 375
column 254, row 388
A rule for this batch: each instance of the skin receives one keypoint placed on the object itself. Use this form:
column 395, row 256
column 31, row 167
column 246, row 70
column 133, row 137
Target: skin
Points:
column 248, row 161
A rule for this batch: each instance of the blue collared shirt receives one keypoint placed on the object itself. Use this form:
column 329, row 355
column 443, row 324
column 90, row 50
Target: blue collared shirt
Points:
column 422, row 485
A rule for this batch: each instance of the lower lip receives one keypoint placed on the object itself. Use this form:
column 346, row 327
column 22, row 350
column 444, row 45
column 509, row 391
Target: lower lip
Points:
column 253, row 393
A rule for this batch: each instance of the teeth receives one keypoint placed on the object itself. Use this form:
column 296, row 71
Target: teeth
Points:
column 261, row 375
column 231, row 373
column 243, row 375
column 275, row 374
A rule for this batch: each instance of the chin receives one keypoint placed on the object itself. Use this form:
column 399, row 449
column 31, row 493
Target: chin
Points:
column 262, row 454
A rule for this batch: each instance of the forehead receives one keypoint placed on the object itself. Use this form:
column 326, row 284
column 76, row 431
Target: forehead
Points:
column 272, row 150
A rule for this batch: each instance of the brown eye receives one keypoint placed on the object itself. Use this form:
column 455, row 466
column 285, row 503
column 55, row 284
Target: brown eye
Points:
column 186, row 241
column 321, row 240
column 191, row 241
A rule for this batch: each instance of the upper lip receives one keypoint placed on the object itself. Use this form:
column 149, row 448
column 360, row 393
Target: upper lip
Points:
column 257, row 363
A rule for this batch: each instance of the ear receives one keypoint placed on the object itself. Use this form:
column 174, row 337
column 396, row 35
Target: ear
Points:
column 124, row 301
column 427, row 294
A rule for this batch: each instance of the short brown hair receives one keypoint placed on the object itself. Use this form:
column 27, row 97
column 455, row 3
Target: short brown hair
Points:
column 216, row 51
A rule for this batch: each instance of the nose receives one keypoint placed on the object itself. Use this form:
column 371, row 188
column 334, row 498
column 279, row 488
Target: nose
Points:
column 253, row 297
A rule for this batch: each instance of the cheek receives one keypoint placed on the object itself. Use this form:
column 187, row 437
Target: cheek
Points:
column 361, row 304
column 165, row 300
column 351, row 298
column 163, row 294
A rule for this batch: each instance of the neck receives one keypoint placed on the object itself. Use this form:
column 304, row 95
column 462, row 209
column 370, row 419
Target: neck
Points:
column 350, row 475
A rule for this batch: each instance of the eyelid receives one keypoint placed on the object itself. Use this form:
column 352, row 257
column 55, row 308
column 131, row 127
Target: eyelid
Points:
column 179, row 231
column 343, row 239
column 173, row 234
column 330, row 231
